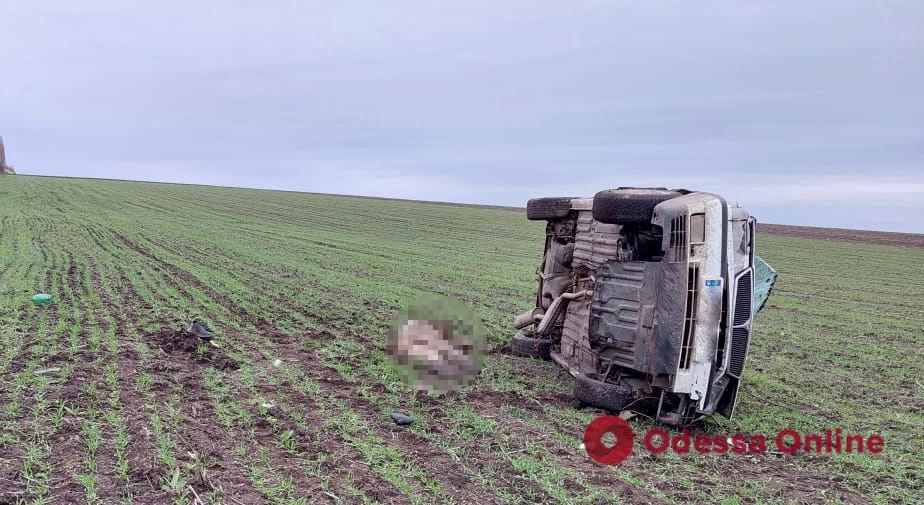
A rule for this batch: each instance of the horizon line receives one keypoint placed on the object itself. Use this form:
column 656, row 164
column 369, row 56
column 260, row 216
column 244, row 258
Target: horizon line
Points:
column 409, row 200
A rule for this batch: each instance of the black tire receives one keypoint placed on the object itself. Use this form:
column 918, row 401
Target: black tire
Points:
column 539, row 209
column 612, row 397
column 629, row 205
column 529, row 347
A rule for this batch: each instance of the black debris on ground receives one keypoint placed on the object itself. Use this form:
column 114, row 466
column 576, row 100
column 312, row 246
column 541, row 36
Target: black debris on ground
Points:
column 401, row 419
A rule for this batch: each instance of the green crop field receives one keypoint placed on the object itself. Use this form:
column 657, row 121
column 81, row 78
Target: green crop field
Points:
column 102, row 404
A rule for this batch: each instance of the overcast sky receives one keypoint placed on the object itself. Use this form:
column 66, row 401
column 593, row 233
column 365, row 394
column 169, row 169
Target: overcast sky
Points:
column 804, row 112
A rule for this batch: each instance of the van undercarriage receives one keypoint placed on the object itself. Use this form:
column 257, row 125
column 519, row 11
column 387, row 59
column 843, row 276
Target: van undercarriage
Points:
column 646, row 297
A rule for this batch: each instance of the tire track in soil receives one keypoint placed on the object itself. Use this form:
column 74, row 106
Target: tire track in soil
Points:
column 413, row 447
column 337, row 464
column 482, row 401
column 433, row 459
column 346, row 461
column 179, row 370
column 266, row 437
column 436, row 464
column 68, row 448
column 67, row 440
column 381, row 486
column 409, row 443
column 196, row 407
column 363, row 477
column 97, row 238
column 140, row 451
column 495, row 403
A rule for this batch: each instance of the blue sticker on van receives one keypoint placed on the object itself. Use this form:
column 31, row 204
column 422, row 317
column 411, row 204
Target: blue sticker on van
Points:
column 713, row 283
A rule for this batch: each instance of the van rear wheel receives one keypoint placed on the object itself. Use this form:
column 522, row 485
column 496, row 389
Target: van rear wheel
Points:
column 525, row 345
column 603, row 395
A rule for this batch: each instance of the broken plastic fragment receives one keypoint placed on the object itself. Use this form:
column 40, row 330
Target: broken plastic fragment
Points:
column 42, row 299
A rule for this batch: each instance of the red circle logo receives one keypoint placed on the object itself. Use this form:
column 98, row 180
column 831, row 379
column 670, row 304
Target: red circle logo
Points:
column 593, row 440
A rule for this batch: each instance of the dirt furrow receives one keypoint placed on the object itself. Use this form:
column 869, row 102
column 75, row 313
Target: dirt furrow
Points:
column 435, row 460
column 221, row 300
column 341, row 459
column 211, row 457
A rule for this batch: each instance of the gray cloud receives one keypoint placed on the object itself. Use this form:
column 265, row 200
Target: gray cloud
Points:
column 807, row 114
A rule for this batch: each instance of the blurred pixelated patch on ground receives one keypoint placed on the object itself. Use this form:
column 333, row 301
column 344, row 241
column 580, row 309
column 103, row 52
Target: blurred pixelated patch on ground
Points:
column 437, row 343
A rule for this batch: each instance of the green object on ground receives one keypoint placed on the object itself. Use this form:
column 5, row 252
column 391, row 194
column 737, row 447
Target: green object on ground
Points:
column 764, row 278
column 42, row 299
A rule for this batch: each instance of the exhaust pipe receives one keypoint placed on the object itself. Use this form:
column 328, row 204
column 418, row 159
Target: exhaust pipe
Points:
column 555, row 310
column 527, row 318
